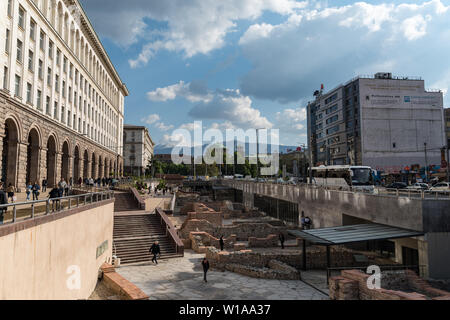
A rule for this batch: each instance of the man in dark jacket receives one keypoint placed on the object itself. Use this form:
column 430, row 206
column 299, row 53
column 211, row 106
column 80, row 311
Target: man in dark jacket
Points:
column 221, row 242
column 3, row 200
column 155, row 250
column 281, row 237
column 54, row 193
column 44, row 185
column 205, row 265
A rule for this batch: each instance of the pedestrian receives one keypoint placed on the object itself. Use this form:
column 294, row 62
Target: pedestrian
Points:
column 71, row 181
column 36, row 188
column 205, row 265
column 303, row 220
column 155, row 250
column 53, row 195
column 221, row 242
column 91, row 182
column 308, row 223
column 3, row 200
column 10, row 190
column 44, row 185
column 80, row 181
column 28, row 190
column 281, row 237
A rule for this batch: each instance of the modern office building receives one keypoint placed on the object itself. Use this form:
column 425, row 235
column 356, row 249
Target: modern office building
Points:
column 137, row 149
column 61, row 99
column 447, row 125
column 384, row 122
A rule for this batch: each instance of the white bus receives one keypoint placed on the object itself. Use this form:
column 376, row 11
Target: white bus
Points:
column 357, row 177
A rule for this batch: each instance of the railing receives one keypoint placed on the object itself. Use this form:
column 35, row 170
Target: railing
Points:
column 32, row 209
column 170, row 230
column 410, row 193
column 138, row 198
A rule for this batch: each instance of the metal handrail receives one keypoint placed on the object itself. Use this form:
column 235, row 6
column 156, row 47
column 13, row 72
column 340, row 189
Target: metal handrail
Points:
column 56, row 203
column 442, row 194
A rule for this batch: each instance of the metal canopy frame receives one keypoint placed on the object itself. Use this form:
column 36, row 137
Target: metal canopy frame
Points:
column 350, row 234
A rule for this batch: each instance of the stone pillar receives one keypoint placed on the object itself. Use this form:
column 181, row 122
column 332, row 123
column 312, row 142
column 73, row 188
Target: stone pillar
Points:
column 81, row 169
column 42, row 164
column 2, row 136
column 93, row 172
column 22, row 149
column 88, row 169
column 58, row 170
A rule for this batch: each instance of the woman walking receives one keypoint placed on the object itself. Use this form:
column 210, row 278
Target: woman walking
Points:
column 205, row 265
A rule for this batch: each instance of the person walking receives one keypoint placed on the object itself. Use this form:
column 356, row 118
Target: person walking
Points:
column 28, row 191
column 53, row 195
column 36, row 188
column 205, row 265
column 3, row 200
column 281, row 237
column 44, row 185
column 221, row 242
column 155, row 250
column 10, row 190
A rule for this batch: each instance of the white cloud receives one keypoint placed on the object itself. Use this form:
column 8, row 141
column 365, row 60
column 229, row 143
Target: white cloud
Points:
column 185, row 90
column 291, row 120
column 414, row 27
column 151, row 119
column 161, row 126
column 330, row 45
column 189, row 27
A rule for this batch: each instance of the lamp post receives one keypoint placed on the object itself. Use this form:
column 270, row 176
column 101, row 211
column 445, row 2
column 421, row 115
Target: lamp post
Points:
column 426, row 162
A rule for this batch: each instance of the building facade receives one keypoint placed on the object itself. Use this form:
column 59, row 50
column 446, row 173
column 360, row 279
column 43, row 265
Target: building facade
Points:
column 383, row 122
column 137, row 149
column 61, row 99
column 447, row 125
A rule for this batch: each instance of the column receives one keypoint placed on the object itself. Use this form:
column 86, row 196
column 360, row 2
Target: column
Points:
column 22, row 149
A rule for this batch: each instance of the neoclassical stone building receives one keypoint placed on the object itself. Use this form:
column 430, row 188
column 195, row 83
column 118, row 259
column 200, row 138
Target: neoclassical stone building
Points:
column 61, row 99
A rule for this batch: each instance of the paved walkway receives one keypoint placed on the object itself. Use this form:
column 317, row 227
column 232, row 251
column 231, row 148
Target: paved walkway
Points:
column 182, row 278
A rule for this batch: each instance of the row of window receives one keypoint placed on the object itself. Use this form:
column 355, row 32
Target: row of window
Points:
column 106, row 84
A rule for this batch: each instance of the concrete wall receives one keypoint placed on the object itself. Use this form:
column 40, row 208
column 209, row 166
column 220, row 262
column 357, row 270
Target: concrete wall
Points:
column 328, row 208
column 36, row 255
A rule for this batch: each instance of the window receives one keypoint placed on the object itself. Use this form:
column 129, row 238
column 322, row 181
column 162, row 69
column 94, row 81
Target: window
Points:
column 30, row 60
column 74, row 122
column 63, row 120
column 64, row 89
column 69, row 118
column 39, row 100
column 71, row 71
column 55, row 111
column 32, row 30
column 318, row 127
column 47, row 105
column 8, row 40
column 21, row 21
column 42, row 41
column 5, row 78
column 56, row 83
column 394, row 145
column 49, row 77
column 40, row 71
column 332, row 98
column 50, row 50
column 75, row 98
column 76, row 76
column 29, row 92
column 17, row 90
column 332, row 119
column 58, row 57
column 65, row 64
column 70, row 94
column 19, row 50
column 334, row 140
column 333, row 129
column 10, row 8
column 349, row 124
column 331, row 109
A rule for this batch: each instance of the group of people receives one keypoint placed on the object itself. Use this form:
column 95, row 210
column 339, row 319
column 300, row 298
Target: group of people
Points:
column 99, row 182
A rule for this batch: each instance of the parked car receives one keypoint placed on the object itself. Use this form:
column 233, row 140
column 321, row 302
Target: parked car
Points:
column 418, row 186
column 397, row 185
column 441, row 186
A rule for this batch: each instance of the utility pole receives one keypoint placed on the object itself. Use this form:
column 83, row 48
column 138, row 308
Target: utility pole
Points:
column 426, row 162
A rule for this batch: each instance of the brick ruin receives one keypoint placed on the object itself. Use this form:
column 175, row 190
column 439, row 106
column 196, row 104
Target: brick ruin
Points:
column 395, row 285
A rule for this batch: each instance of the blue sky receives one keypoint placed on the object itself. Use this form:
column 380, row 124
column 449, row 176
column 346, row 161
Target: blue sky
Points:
column 255, row 63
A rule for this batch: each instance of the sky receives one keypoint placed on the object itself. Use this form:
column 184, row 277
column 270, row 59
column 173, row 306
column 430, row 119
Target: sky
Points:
column 256, row 63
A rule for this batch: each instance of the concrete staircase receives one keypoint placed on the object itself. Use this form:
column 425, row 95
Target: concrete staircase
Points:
column 135, row 233
column 125, row 201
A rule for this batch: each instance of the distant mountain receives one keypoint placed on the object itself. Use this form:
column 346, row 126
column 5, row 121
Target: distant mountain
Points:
column 164, row 149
